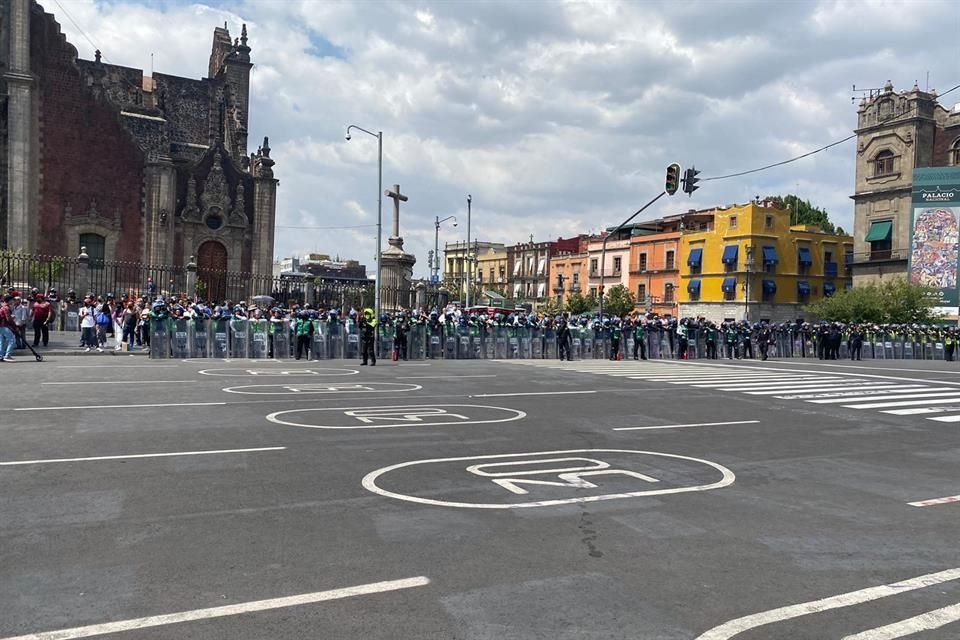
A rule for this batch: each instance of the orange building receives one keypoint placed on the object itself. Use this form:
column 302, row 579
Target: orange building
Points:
column 569, row 272
column 655, row 265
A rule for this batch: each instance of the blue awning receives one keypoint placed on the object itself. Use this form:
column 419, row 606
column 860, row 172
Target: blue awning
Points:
column 770, row 255
column 803, row 288
column 805, row 256
column 769, row 286
column 730, row 254
column 830, row 269
column 730, row 284
column 693, row 287
column 696, row 255
column 828, row 289
column 848, row 257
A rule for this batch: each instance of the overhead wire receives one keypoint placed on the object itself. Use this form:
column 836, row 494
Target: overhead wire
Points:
column 815, row 151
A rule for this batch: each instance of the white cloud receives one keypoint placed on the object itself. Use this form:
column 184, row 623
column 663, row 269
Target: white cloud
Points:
column 557, row 117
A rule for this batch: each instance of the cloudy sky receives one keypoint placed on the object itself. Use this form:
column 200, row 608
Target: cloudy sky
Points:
column 558, row 117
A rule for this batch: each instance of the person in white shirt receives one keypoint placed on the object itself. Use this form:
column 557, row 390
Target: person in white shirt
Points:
column 21, row 315
column 88, row 325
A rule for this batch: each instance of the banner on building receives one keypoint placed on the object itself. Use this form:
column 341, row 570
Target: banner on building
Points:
column 935, row 233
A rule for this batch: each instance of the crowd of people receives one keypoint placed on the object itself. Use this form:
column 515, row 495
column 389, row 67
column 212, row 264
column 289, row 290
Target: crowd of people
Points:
column 128, row 319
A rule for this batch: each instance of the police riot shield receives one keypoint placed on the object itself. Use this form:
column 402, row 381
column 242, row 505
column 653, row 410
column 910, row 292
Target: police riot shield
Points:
column 464, row 348
column 586, row 343
column 160, row 338
column 180, row 345
column 71, row 318
column 599, row 349
column 525, row 350
column 938, row 352
column 449, row 342
column 435, row 342
column 666, row 348
column 259, row 339
column 536, row 343
column 336, row 340
column 220, row 340
column 386, row 342
column 513, row 343
column 239, row 340
column 352, row 344
column 653, row 343
column 280, row 334
column 908, row 351
column 550, row 344
column 500, row 342
column 576, row 345
column 320, row 344
column 199, row 336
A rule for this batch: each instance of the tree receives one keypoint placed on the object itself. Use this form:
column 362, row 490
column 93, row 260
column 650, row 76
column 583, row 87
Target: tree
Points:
column 551, row 307
column 803, row 212
column 892, row 301
column 578, row 304
column 619, row 301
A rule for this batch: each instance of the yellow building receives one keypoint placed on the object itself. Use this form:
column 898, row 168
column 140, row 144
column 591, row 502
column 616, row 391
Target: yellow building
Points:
column 492, row 269
column 749, row 262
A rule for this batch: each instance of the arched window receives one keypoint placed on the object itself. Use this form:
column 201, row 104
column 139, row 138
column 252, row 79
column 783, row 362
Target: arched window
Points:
column 883, row 163
column 954, row 159
column 96, row 246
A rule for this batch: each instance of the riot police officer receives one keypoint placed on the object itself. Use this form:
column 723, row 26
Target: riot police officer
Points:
column 368, row 330
column 563, row 339
column 401, row 329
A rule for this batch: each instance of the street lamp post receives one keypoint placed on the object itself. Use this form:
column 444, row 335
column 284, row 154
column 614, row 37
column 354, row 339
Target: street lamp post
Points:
column 469, row 261
column 379, row 136
column 436, row 243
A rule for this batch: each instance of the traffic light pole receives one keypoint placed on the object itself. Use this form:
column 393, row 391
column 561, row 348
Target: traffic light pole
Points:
column 603, row 251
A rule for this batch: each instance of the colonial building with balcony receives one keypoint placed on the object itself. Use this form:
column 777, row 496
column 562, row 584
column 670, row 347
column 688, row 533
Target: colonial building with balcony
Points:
column 528, row 276
column 654, row 265
column 749, row 262
column 896, row 133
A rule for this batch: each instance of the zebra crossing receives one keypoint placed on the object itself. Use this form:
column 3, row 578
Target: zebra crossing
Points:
column 923, row 399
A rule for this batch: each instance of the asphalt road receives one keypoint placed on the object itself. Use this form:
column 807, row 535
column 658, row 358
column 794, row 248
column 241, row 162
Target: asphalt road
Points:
column 479, row 500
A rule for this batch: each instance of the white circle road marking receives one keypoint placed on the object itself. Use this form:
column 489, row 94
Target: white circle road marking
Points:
column 323, row 388
column 370, row 481
column 238, row 373
column 232, row 360
column 412, row 415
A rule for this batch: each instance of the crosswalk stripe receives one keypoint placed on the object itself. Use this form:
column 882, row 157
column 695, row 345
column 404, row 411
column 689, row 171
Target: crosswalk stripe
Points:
column 763, row 381
column 759, row 386
column 946, row 419
column 903, row 403
column 916, row 411
column 851, row 391
column 732, row 379
column 910, row 394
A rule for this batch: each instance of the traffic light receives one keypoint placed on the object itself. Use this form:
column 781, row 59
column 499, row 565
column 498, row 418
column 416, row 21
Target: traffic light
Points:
column 673, row 179
column 690, row 181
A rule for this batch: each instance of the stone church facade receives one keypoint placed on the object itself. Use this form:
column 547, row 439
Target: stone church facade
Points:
column 896, row 133
column 142, row 168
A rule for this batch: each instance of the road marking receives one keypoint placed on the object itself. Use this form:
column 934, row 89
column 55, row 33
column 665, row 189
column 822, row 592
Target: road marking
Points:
column 123, row 406
column 489, row 375
column 117, row 366
column 227, row 610
column 415, row 365
column 139, row 455
column 740, row 625
column 685, row 426
column 923, row 622
column 370, row 480
column 904, row 403
column 862, row 389
column 934, row 501
column 782, row 384
column 917, row 411
column 529, row 393
column 322, row 388
column 126, row 382
column 399, row 416
column 280, row 373
column 852, row 366
column 894, row 395
column 946, row 419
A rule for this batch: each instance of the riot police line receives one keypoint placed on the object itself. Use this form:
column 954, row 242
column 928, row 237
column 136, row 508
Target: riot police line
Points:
column 330, row 338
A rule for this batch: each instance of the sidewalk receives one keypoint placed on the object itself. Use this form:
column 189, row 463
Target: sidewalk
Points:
column 67, row 343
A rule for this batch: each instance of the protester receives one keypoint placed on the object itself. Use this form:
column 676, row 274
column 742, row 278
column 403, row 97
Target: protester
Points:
column 42, row 315
column 8, row 328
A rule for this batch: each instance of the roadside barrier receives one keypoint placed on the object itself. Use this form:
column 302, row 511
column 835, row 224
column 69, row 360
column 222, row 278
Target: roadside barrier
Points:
column 260, row 339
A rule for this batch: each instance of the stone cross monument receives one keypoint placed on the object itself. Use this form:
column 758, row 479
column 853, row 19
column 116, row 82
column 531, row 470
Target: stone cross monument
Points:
column 396, row 265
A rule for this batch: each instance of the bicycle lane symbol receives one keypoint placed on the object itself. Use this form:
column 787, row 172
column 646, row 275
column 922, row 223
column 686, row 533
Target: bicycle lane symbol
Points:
column 927, row 621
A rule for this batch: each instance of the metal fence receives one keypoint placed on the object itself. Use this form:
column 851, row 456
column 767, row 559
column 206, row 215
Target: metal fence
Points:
column 84, row 275
column 254, row 339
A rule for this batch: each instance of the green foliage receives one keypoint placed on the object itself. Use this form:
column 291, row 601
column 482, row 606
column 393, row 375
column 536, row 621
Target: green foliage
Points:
column 803, row 212
column 892, row 301
column 551, row 307
column 578, row 304
column 619, row 301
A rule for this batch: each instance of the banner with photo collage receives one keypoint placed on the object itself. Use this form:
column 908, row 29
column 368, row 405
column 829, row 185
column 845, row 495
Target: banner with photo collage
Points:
column 935, row 232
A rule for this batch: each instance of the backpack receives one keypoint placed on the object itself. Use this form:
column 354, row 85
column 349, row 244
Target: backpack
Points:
column 102, row 319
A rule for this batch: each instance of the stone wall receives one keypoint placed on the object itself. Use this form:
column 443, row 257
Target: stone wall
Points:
column 90, row 166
